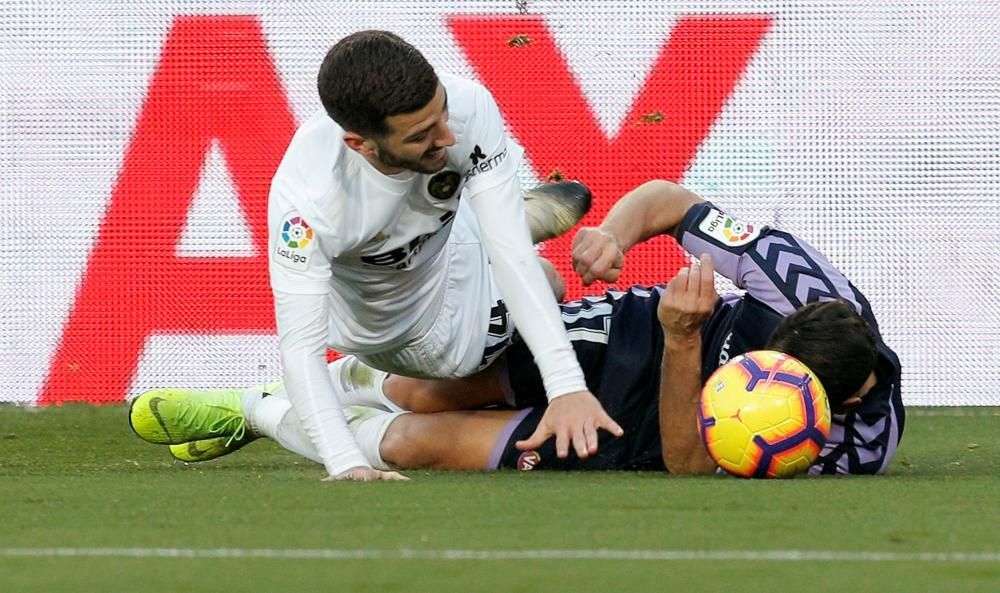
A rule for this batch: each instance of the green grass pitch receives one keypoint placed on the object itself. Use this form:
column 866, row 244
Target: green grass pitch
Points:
column 86, row 506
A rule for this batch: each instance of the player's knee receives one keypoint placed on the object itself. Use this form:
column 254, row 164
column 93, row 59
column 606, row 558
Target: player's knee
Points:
column 405, row 392
column 424, row 396
column 391, row 447
column 401, row 445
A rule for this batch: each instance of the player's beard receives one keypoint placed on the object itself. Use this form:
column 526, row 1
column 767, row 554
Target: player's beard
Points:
column 421, row 165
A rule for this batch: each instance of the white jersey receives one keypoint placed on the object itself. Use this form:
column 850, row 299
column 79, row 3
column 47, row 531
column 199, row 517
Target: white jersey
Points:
column 373, row 255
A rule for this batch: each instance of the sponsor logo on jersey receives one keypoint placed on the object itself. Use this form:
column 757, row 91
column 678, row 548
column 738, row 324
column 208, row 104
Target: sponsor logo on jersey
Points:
column 482, row 163
column 727, row 230
column 724, row 352
column 444, row 185
column 296, row 244
column 401, row 257
column 528, row 460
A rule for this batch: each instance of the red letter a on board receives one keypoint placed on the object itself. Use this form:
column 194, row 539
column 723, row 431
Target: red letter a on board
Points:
column 215, row 82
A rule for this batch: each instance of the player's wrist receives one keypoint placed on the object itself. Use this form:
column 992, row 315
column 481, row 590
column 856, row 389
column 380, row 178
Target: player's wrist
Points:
column 675, row 340
column 618, row 237
column 554, row 397
column 561, row 372
column 345, row 463
column 561, row 395
column 570, row 389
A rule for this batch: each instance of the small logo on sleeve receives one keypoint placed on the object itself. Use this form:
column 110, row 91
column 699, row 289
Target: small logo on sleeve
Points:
column 727, row 230
column 477, row 155
column 482, row 163
column 296, row 243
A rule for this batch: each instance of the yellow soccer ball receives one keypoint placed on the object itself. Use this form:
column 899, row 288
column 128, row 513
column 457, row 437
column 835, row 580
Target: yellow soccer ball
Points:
column 764, row 415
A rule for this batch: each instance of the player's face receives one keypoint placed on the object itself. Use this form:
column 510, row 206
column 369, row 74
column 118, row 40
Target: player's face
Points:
column 417, row 141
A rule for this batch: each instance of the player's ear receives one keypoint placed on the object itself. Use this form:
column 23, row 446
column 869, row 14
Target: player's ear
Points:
column 848, row 404
column 359, row 144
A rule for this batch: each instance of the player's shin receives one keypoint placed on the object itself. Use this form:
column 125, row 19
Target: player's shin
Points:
column 361, row 385
column 369, row 426
column 273, row 417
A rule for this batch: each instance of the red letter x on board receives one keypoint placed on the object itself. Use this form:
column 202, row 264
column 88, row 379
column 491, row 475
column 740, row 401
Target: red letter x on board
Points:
column 215, row 81
column 691, row 79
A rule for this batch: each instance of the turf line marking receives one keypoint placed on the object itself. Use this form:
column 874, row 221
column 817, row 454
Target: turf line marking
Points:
column 410, row 554
column 954, row 413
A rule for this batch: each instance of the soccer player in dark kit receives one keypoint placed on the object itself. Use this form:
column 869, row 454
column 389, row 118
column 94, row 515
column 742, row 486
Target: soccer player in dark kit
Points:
column 646, row 352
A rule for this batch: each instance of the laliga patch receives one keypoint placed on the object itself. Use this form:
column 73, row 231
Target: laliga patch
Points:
column 295, row 243
column 727, row 230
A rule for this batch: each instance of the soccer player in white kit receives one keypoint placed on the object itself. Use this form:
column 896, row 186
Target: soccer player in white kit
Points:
column 387, row 215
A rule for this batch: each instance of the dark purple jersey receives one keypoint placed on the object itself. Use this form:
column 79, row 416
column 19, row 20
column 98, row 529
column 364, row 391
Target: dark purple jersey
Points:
column 780, row 273
column 618, row 340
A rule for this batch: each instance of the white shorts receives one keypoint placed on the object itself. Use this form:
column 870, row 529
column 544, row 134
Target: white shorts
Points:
column 473, row 326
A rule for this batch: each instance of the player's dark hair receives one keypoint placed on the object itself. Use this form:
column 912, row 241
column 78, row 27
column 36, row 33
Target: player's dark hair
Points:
column 371, row 75
column 832, row 340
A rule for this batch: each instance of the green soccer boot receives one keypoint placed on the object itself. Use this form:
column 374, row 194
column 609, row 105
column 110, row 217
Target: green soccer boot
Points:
column 179, row 416
column 206, row 449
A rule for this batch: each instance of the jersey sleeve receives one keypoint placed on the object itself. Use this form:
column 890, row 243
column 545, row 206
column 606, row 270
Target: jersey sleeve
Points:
column 494, row 193
column 491, row 156
column 302, row 323
column 775, row 267
column 863, row 441
column 525, row 290
column 296, row 263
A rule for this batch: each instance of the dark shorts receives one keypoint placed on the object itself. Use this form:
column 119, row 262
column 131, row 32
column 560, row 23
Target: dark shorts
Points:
column 613, row 453
column 620, row 359
column 499, row 335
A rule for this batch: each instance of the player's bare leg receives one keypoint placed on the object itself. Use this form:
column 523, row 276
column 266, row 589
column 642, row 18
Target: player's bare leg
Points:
column 449, row 440
column 439, row 395
column 555, row 279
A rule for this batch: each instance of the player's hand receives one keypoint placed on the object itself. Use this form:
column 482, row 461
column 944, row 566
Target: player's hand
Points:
column 597, row 255
column 688, row 300
column 574, row 419
column 365, row 474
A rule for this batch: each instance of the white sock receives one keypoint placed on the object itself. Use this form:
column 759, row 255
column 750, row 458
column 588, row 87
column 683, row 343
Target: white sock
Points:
column 273, row 417
column 251, row 398
column 369, row 426
column 361, row 384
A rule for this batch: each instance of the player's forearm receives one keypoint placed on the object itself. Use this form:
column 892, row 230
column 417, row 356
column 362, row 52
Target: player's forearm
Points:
column 654, row 208
column 747, row 258
column 301, row 331
column 525, row 288
column 680, row 389
column 536, row 316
